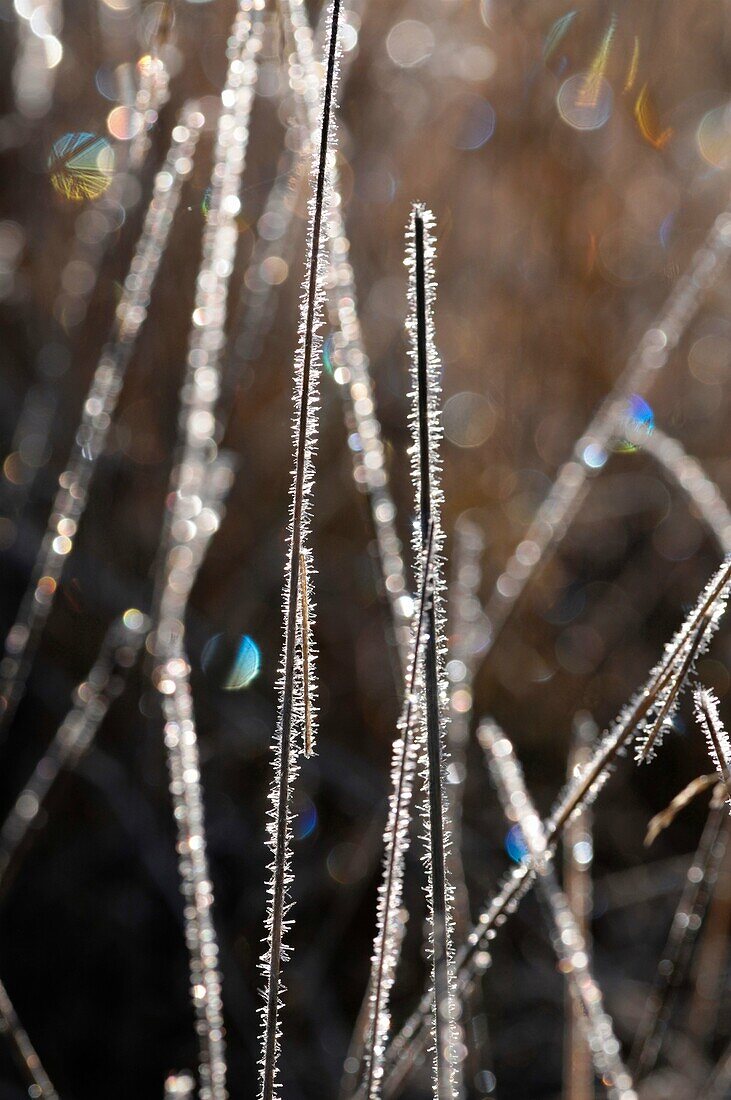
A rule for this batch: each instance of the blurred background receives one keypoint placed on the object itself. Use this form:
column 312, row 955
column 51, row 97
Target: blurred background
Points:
column 562, row 225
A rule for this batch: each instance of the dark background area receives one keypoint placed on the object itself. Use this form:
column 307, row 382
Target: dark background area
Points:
column 555, row 247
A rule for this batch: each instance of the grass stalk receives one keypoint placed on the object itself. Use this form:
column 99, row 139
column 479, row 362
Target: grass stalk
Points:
column 291, row 713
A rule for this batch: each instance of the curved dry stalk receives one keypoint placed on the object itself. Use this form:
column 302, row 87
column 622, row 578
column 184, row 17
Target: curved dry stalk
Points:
column 292, row 690
column 717, row 740
column 690, row 476
column 554, row 515
column 568, row 941
column 91, row 437
column 92, row 699
column 676, row 956
column 389, row 925
column 666, row 817
column 426, row 468
column 666, row 681
column 24, row 1051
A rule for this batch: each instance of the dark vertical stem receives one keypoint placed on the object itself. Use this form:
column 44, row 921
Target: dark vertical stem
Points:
column 433, row 718
column 295, row 549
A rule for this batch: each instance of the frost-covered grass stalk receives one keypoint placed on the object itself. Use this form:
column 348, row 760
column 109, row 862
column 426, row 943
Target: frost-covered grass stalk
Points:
column 688, row 473
column 389, row 923
column 290, row 733
column 350, row 364
column 677, row 953
column 200, row 481
column 99, row 406
column 578, row 851
column 717, row 740
column 39, row 1083
column 567, row 939
column 426, row 469
column 92, row 699
column 664, row 686
column 651, row 355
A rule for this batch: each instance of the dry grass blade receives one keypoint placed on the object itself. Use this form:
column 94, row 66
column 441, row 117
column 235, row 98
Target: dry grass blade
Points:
column 666, row 817
column 291, row 710
column 678, row 949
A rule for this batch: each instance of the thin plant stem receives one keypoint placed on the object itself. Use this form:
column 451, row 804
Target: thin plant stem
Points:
column 92, row 699
column 24, row 1051
column 426, row 465
column 74, row 483
column 577, row 861
column 678, row 949
column 568, row 941
column 290, row 718
column 666, row 679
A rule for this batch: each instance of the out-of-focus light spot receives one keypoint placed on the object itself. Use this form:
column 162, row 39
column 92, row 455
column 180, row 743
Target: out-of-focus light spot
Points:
column 666, row 228
column 478, row 124
column 515, row 845
column 81, row 165
column 594, row 456
column 475, row 63
column 124, row 123
column 53, row 50
column 376, row 185
column 328, row 352
column 345, row 864
column 709, row 359
column 305, row 818
column 469, row 419
column 714, row 137
column 348, row 37
column 639, row 416
column 133, row 619
column 62, row 545
column 485, row 1082
column 648, row 121
column 557, row 32
column 585, row 102
column 409, row 43
column 274, row 270
column 232, row 664
column 583, row 852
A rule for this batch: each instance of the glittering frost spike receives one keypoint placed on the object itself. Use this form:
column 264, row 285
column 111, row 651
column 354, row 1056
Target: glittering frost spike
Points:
column 426, row 469
column 389, row 922
column 291, row 720
column 92, row 699
column 717, row 739
column 101, row 400
column 567, row 940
